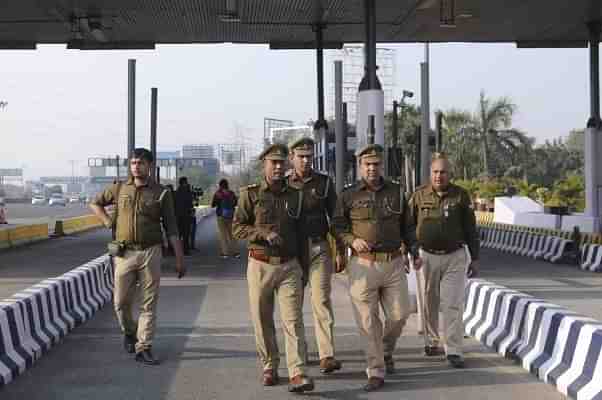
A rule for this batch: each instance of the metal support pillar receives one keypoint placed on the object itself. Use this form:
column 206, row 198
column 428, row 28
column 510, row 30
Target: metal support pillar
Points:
column 425, row 151
column 593, row 141
column 131, row 107
column 339, row 130
column 320, row 126
column 370, row 94
column 153, row 132
column 417, row 174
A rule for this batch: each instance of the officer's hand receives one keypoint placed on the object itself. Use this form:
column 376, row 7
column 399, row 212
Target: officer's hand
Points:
column 405, row 261
column 340, row 264
column 361, row 246
column 417, row 263
column 274, row 239
column 180, row 269
column 473, row 269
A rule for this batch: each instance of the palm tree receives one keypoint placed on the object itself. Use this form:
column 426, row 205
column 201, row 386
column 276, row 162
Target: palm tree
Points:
column 459, row 140
column 492, row 118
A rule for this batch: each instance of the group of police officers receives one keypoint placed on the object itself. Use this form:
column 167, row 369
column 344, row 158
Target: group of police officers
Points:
column 286, row 219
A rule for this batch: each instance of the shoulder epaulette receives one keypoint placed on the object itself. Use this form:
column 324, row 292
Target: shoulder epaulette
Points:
column 252, row 186
column 421, row 187
column 350, row 186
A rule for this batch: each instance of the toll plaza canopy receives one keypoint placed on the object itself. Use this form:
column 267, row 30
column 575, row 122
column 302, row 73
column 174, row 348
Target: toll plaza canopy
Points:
column 131, row 24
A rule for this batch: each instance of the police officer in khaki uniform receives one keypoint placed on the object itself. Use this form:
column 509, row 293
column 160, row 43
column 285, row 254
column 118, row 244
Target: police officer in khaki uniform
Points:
column 319, row 202
column 447, row 250
column 370, row 219
column 267, row 216
column 142, row 206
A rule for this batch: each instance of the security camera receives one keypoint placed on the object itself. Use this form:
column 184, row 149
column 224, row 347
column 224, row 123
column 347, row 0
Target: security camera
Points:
column 407, row 93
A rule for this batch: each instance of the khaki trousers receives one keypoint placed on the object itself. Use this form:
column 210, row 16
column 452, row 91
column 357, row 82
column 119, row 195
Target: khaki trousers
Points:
column 143, row 267
column 227, row 244
column 373, row 284
column 444, row 278
column 320, row 287
column 267, row 282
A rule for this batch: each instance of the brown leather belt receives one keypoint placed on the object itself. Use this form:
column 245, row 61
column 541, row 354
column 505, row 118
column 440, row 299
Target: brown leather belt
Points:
column 274, row 260
column 378, row 255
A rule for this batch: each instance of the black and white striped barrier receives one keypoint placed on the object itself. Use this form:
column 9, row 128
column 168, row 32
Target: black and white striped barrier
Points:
column 591, row 257
column 550, row 341
column 37, row 318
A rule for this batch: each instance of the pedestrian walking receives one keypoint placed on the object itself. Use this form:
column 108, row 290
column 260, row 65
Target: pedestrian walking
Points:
column 370, row 218
column 141, row 206
column 267, row 217
column 184, row 211
column 224, row 201
column 446, row 251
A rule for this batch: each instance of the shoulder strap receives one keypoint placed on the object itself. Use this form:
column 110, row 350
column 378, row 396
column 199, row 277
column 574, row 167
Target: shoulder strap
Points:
column 114, row 226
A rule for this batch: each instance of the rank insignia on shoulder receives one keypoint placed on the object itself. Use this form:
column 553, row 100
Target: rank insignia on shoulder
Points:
column 251, row 186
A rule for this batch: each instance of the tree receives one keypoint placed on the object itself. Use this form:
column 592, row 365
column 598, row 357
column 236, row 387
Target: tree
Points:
column 493, row 117
column 460, row 142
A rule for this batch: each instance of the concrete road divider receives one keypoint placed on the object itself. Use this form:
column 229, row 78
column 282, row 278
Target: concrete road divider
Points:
column 37, row 318
column 76, row 225
column 555, row 344
column 21, row 235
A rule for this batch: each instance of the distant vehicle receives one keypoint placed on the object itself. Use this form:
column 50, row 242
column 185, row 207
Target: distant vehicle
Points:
column 2, row 212
column 38, row 200
column 74, row 199
column 57, row 199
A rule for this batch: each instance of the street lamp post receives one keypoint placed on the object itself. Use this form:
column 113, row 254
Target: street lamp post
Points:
column 396, row 168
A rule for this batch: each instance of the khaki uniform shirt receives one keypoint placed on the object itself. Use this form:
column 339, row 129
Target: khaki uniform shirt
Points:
column 443, row 222
column 378, row 216
column 319, row 202
column 140, row 212
column 261, row 211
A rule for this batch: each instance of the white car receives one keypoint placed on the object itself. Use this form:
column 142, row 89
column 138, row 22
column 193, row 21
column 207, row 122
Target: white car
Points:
column 38, row 200
column 74, row 199
column 57, row 200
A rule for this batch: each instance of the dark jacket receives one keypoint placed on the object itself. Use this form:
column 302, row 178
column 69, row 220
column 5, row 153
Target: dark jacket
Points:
column 223, row 198
column 184, row 200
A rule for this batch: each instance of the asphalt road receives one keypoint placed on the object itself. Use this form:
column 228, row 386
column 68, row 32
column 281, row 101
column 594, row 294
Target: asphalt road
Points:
column 205, row 342
column 18, row 214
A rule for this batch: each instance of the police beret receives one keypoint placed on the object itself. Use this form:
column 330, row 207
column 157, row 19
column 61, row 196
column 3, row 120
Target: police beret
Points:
column 303, row 146
column 370, row 151
column 274, row 152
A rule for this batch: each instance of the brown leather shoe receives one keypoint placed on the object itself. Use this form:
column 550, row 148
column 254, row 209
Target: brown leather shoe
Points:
column 270, row 378
column 433, row 351
column 374, row 383
column 300, row 384
column 329, row 364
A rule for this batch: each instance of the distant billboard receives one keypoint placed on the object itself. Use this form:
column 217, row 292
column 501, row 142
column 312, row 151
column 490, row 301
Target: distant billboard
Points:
column 11, row 172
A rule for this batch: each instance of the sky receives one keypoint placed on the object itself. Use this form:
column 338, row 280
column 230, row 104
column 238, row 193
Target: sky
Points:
column 67, row 105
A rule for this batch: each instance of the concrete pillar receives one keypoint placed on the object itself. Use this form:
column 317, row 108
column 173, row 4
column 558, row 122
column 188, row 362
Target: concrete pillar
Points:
column 321, row 126
column 153, row 133
column 339, row 130
column 131, row 107
column 371, row 98
column 425, row 151
column 593, row 142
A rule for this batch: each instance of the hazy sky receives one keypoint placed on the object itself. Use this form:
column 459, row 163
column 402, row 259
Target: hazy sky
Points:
column 70, row 105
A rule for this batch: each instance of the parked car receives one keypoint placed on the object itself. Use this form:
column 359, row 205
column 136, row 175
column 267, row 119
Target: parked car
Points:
column 57, row 199
column 74, row 199
column 38, row 200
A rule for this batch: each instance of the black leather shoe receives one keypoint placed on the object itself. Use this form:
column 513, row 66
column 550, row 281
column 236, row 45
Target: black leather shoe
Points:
column 146, row 357
column 329, row 365
column 455, row 361
column 389, row 365
column 432, row 351
column 129, row 343
column 373, row 384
